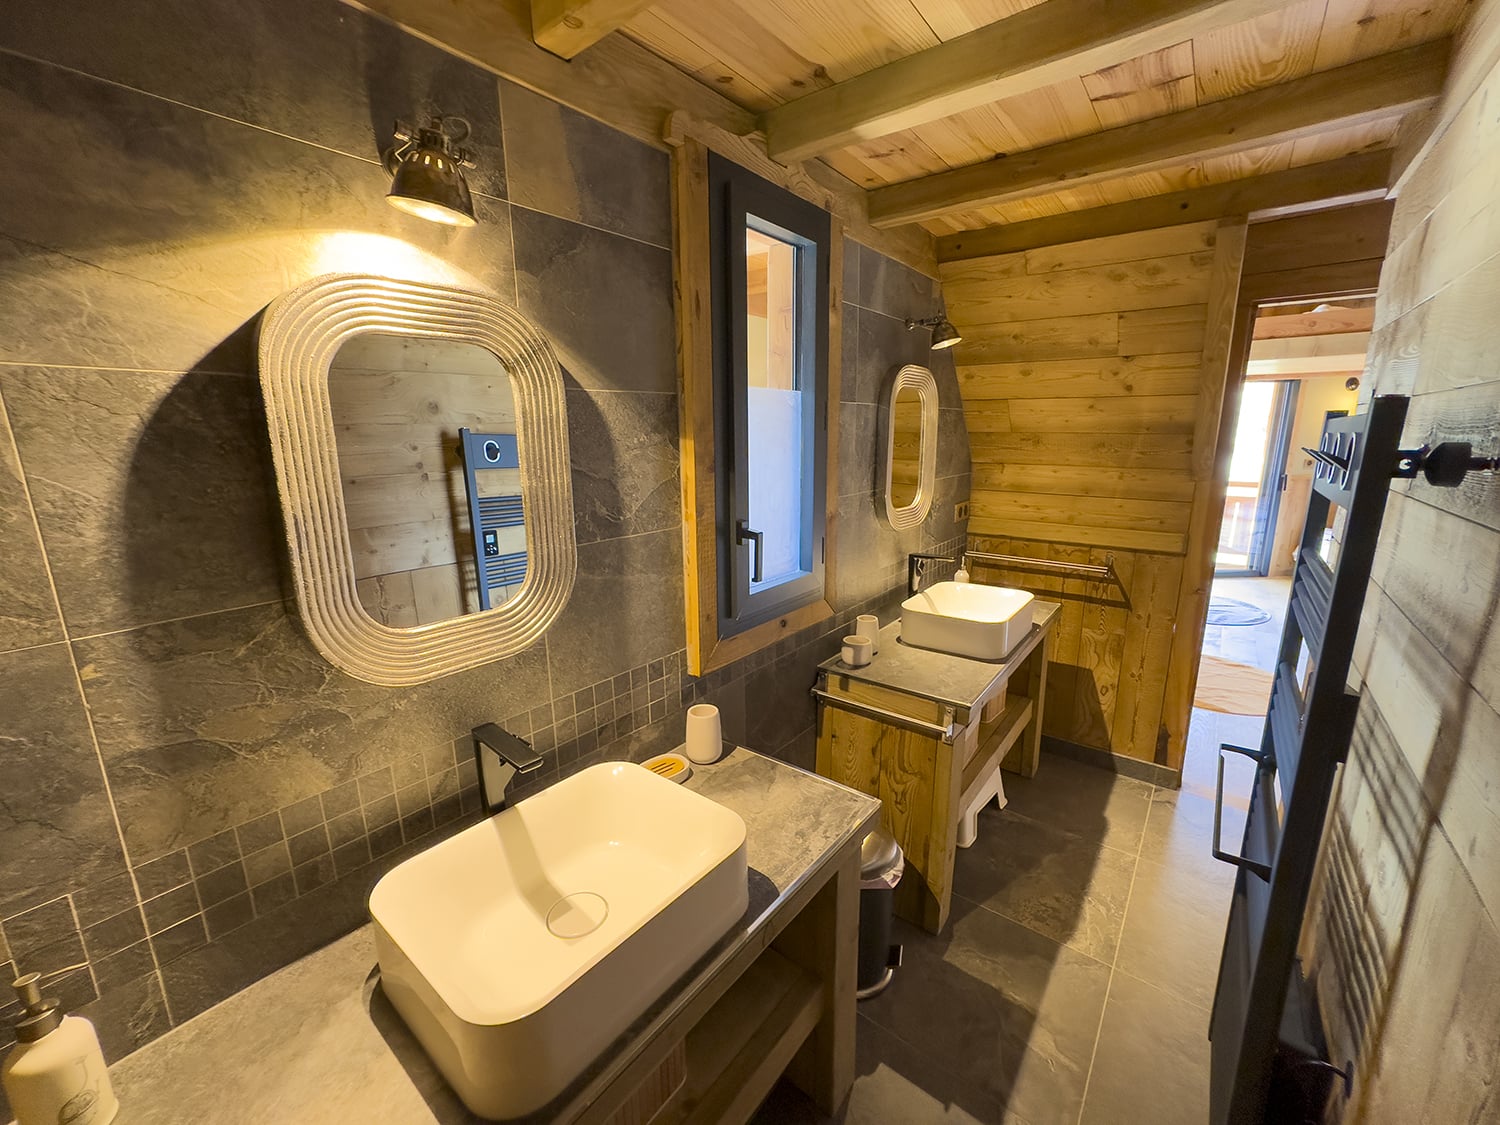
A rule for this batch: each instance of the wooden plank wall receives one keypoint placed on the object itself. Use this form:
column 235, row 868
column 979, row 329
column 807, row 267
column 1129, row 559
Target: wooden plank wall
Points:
column 1404, row 928
column 398, row 404
column 1082, row 372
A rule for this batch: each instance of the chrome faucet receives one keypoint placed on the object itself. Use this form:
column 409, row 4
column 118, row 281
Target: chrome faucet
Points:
column 916, row 567
column 500, row 755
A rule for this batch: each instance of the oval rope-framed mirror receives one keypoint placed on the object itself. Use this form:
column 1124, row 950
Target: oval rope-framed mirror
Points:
column 911, row 435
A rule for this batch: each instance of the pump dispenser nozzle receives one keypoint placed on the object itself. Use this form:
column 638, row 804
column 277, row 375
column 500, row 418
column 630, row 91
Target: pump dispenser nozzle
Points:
column 42, row 1017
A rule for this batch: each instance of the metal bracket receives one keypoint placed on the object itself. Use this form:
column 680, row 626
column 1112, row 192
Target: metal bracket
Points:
column 1444, row 465
column 1255, row 866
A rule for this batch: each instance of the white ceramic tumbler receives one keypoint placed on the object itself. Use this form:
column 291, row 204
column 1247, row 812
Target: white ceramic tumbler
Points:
column 857, row 650
column 868, row 625
column 705, row 734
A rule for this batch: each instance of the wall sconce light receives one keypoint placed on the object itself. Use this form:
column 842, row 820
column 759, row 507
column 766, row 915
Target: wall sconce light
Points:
column 944, row 335
column 426, row 172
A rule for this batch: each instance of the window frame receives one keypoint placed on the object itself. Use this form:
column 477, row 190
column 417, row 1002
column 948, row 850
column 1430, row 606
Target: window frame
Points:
column 736, row 196
column 706, row 427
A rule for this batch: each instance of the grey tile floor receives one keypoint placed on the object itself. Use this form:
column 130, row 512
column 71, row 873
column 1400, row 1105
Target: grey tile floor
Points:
column 1072, row 983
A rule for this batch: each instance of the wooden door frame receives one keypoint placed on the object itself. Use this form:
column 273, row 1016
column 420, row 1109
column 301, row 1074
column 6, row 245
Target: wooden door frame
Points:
column 1259, row 279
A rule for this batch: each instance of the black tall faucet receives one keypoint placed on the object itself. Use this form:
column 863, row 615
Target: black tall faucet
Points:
column 916, row 566
column 500, row 755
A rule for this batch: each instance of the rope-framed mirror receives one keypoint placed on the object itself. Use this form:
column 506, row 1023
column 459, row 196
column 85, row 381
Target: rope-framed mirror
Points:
column 911, row 436
column 382, row 393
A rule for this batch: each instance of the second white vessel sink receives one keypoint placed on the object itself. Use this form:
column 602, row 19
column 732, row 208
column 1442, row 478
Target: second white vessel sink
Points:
column 517, row 950
column 967, row 619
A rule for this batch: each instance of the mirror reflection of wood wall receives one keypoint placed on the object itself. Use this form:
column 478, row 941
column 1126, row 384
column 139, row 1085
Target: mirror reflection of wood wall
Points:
column 906, row 454
column 398, row 403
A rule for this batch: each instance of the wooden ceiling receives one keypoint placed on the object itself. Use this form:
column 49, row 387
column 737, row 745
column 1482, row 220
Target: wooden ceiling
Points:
column 775, row 52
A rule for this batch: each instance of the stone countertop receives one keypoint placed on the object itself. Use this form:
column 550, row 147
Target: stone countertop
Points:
column 318, row 1042
column 963, row 682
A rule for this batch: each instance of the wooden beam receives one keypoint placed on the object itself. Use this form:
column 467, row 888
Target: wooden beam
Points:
column 628, row 88
column 1333, row 321
column 1305, row 355
column 1360, row 93
column 1332, row 183
column 1045, row 44
column 566, row 27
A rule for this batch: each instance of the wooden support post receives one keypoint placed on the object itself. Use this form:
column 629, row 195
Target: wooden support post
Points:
column 1026, row 755
column 1223, row 362
column 824, row 940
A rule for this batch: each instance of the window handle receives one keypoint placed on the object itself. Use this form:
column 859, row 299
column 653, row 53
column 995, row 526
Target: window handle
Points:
column 743, row 534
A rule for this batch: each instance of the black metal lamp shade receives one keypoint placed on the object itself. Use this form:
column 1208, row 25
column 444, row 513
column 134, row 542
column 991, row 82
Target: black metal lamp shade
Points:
column 427, row 177
column 944, row 335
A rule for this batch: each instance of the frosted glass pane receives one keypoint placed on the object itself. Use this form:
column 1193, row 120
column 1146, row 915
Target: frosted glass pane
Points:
column 775, row 463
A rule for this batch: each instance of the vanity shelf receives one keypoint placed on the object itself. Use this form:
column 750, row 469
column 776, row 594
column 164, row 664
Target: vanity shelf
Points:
column 739, row 1049
column 995, row 742
column 910, row 728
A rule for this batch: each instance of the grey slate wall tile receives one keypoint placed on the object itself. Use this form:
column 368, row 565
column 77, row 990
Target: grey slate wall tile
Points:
column 604, row 301
column 566, row 164
column 623, row 447
column 56, row 831
column 897, row 290
column 627, row 607
column 322, row 72
column 209, row 721
column 28, row 612
column 154, row 492
column 160, row 231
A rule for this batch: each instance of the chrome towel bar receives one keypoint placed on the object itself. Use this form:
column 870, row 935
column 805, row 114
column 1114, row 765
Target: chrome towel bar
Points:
column 947, row 731
column 1105, row 573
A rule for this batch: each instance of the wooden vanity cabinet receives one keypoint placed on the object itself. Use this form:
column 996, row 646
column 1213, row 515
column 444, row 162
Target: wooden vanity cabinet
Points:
column 926, row 758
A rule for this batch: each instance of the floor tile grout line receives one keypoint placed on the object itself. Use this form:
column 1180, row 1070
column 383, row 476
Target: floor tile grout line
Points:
column 1109, row 987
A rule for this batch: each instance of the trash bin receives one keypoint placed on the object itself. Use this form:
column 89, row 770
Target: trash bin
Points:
column 881, row 864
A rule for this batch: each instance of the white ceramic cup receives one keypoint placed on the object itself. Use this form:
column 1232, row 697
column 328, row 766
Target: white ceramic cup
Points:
column 857, row 650
column 705, row 734
column 868, row 625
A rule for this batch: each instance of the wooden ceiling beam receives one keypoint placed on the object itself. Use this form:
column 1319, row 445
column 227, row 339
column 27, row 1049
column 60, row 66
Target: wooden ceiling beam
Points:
column 1332, row 183
column 1375, row 89
column 1271, row 325
column 566, row 27
column 1042, row 45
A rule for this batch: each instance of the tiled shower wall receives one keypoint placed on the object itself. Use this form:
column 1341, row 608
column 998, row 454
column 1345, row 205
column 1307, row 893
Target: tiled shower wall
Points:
column 191, row 796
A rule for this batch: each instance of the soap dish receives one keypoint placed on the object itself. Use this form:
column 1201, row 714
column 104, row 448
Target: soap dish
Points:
column 673, row 767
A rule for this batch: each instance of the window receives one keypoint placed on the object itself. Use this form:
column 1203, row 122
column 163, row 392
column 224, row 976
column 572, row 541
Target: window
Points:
column 758, row 271
column 769, row 261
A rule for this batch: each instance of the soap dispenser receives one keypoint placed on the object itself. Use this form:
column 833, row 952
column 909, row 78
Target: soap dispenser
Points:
column 56, row 1074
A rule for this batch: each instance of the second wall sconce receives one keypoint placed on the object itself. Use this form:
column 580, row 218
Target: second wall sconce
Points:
column 944, row 335
column 426, row 167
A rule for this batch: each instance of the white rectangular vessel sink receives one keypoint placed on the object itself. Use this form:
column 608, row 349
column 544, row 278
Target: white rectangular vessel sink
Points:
column 967, row 619
column 520, row 948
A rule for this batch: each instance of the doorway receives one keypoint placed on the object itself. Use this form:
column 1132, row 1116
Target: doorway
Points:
column 1257, row 477
column 1304, row 363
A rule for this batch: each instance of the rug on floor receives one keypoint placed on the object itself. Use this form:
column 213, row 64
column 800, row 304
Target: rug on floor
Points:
column 1234, row 689
column 1232, row 611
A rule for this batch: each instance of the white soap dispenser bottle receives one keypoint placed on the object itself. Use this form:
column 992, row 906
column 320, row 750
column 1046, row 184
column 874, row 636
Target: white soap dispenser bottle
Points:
column 56, row 1072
